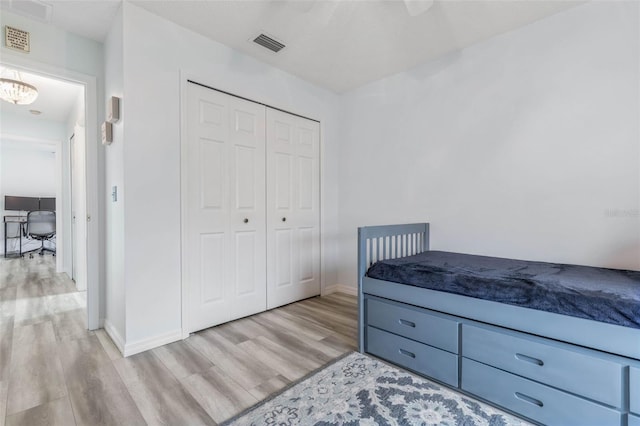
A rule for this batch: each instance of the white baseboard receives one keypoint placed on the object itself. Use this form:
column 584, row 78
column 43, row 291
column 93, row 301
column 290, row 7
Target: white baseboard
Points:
column 115, row 336
column 152, row 342
column 340, row 288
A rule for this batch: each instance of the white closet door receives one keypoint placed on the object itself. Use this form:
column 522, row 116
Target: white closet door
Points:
column 225, row 217
column 293, row 208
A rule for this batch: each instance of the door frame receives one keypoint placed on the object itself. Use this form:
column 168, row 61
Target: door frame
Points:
column 184, row 77
column 89, row 82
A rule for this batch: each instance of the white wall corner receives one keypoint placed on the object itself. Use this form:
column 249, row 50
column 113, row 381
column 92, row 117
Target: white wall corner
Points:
column 152, row 342
column 115, row 336
column 340, row 288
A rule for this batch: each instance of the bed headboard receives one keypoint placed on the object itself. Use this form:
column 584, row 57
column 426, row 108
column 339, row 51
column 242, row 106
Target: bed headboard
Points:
column 389, row 242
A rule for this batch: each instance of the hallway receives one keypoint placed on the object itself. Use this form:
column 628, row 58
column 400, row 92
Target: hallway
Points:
column 53, row 371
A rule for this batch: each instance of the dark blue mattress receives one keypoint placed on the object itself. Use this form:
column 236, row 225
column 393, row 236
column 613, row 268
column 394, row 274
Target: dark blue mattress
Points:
column 606, row 295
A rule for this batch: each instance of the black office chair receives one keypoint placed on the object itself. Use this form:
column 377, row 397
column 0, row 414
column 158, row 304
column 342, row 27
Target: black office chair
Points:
column 41, row 225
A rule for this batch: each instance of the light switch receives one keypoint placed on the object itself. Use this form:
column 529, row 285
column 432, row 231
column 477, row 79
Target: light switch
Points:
column 114, row 193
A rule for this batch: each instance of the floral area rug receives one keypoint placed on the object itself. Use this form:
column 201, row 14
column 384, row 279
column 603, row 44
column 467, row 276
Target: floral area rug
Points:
column 360, row 390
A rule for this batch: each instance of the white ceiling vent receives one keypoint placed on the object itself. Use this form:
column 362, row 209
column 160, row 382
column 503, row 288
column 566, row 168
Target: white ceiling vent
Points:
column 269, row 43
column 33, row 9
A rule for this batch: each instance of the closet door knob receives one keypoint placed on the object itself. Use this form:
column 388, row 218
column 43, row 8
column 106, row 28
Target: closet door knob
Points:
column 284, row 219
column 246, row 220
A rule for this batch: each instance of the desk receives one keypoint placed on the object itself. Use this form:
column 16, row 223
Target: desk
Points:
column 19, row 223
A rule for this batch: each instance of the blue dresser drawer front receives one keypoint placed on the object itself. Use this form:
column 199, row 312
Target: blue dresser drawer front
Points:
column 533, row 400
column 422, row 359
column 633, row 420
column 574, row 370
column 415, row 323
column 634, row 390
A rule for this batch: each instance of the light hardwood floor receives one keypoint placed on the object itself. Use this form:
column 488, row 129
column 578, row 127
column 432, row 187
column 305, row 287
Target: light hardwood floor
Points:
column 55, row 372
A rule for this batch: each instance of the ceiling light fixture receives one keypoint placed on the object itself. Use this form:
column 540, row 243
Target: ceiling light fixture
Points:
column 14, row 90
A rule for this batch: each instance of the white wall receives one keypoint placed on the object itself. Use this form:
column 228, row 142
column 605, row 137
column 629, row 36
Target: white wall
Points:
column 155, row 50
column 523, row 146
column 27, row 171
column 28, row 160
column 114, row 176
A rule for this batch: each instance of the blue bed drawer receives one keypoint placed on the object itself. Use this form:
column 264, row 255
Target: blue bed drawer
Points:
column 633, row 420
column 533, row 400
column 415, row 323
column 634, row 390
column 576, row 370
column 422, row 359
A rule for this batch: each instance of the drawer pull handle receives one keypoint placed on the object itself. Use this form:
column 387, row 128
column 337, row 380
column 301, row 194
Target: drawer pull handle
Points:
column 406, row 353
column 529, row 359
column 528, row 399
column 407, row 323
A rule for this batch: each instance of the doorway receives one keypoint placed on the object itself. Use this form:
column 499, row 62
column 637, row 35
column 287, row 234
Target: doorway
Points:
column 73, row 134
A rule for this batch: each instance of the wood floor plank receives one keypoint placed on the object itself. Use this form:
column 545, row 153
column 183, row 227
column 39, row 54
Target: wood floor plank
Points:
column 80, row 358
column 218, row 394
column 268, row 388
column 298, row 344
column 107, row 344
column 239, row 364
column 4, row 394
column 147, row 369
column 171, row 406
column 36, row 372
column 161, row 399
column 7, row 303
column 71, row 325
column 306, row 328
column 53, row 413
column 282, row 363
column 103, row 399
column 181, row 359
column 6, row 344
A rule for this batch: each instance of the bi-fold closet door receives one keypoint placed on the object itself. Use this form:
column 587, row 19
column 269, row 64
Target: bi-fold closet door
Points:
column 251, row 208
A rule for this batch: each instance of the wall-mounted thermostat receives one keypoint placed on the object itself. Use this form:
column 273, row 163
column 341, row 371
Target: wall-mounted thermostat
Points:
column 113, row 109
column 107, row 133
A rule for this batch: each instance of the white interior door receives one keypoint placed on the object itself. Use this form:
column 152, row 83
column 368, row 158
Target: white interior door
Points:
column 74, row 251
column 293, row 208
column 224, row 253
column 79, row 208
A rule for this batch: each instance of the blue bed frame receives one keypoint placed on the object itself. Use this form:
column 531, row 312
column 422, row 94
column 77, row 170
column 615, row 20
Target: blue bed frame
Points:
column 591, row 372
column 392, row 241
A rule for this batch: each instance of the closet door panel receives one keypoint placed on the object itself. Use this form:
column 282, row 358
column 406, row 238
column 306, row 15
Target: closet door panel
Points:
column 247, row 290
column 225, row 230
column 207, row 237
column 292, row 208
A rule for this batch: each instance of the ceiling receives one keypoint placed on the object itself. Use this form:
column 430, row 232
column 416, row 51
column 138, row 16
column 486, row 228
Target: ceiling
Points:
column 341, row 45
column 336, row 44
column 56, row 99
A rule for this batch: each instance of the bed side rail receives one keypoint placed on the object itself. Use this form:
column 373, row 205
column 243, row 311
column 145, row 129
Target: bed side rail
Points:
column 377, row 243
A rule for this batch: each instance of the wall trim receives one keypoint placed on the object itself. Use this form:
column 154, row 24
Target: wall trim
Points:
column 115, row 336
column 339, row 288
column 152, row 342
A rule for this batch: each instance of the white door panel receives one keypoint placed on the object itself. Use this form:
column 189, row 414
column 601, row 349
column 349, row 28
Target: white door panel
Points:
column 293, row 208
column 225, row 219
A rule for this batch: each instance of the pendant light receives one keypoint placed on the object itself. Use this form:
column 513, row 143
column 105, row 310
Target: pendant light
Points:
column 14, row 90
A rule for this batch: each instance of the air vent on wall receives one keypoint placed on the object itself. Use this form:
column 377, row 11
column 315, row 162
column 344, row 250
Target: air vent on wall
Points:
column 33, row 9
column 271, row 44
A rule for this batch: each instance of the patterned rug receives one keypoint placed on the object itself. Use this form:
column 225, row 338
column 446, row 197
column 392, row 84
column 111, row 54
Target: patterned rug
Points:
column 360, row 390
